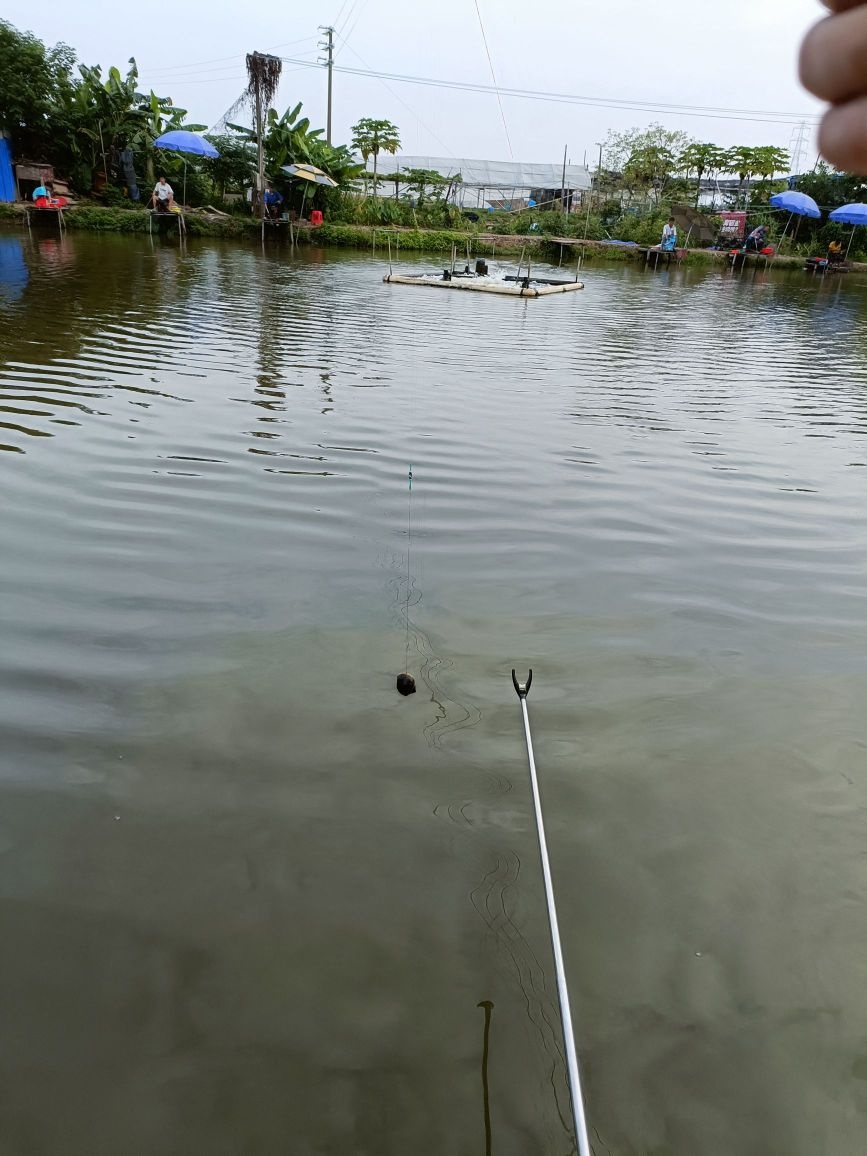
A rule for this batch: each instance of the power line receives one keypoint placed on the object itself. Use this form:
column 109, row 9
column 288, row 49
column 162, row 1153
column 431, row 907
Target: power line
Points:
column 336, row 19
column 347, row 17
column 494, row 78
column 364, row 4
column 185, row 68
column 752, row 115
column 398, row 98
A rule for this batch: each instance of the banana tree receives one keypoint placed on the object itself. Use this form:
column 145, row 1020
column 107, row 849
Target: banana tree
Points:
column 159, row 115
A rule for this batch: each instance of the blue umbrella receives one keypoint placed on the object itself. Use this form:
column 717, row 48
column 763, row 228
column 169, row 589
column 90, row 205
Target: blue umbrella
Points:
column 180, row 140
column 850, row 215
column 183, row 141
column 796, row 205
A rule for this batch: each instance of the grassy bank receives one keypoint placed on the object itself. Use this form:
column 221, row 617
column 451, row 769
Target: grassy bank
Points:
column 439, row 242
column 97, row 219
column 425, row 240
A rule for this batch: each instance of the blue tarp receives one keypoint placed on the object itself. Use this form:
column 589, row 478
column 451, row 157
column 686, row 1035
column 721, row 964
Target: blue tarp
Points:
column 7, row 176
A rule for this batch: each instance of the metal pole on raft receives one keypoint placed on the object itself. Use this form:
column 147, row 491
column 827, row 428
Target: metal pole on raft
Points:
column 522, row 689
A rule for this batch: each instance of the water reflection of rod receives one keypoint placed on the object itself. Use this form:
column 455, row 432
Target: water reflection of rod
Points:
column 486, row 1092
column 523, row 689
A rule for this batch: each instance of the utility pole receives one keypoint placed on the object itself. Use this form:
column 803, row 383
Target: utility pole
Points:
column 328, row 47
column 261, row 158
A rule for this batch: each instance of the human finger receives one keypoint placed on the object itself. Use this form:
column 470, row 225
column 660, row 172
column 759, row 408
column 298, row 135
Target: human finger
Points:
column 843, row 136
column 842, row 5
column 833, row 63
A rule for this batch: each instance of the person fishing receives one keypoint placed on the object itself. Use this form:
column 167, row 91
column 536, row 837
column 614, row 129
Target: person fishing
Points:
column 669, row 236
column 757, row 240
column 163, row 196
column 273, row 200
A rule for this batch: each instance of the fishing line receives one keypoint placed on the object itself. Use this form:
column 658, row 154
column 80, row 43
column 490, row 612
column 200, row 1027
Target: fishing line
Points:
column 405, row 681
column 408, row 560
column 494, row 77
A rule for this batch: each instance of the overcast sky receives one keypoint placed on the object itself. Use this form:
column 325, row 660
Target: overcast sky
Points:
column 738, row 55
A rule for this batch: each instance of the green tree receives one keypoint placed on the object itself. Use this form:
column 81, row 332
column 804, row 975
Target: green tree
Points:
column 371, row 137
column 831, row 188
column 233, row 169
column 645, row 158
column 701, row 158
column 770, row 160
column 748, row 161
column 98, row 117
column 32, row 79
column 337, row 161
column 419, row 181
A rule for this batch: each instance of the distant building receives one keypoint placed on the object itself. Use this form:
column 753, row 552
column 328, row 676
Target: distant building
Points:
column 500, row 184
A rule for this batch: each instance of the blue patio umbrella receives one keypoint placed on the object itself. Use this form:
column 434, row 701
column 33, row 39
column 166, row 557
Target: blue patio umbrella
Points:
column 854, row 215
column 796, row 205
column 181, row 140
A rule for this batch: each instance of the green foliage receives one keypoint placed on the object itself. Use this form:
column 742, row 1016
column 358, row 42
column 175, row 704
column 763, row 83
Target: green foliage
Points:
column 831, row 189
column 747, row 162
column 116, row 198
column 93, row 219
column 32, row 79
column 371, row 137
column 232, row 170
column 645, row 166
column 703, row 159
column 421, row 181
column 646, row 159
column 417, row 240
column 289, row 139
column 645, row 229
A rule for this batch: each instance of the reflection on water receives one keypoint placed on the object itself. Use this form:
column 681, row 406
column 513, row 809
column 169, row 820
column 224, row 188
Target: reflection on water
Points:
column 251, row 899
column 14, row 273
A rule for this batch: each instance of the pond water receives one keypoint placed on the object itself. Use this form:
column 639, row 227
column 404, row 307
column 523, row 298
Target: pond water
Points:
column 251, row 900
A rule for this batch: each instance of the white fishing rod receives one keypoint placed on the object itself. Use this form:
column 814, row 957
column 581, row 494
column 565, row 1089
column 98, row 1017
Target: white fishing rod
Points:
column 522, row 689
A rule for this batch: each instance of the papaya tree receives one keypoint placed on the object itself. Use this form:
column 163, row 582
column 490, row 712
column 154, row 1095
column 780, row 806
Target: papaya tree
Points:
column 701, row 159
column 371, row 137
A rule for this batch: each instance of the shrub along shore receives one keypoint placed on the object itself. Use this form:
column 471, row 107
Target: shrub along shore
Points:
column 199, row 223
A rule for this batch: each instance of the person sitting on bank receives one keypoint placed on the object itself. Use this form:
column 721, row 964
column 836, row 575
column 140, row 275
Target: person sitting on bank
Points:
column 273, row 201
column 669, row 236
column 757, row 240
column 163, row 196
column 44, row 198
column 835, row 253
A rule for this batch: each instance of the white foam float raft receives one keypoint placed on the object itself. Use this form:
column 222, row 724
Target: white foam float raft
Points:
column 475, row 283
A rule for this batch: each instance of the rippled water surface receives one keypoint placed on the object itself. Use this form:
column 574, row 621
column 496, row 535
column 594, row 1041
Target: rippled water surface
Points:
column 251, row 900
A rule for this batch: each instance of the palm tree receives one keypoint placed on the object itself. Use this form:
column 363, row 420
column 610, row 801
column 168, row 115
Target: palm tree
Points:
column 371, row 137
